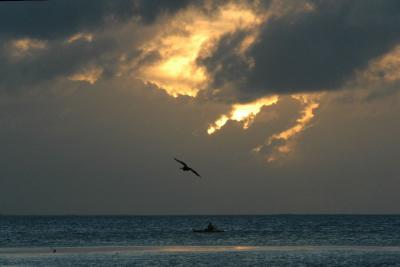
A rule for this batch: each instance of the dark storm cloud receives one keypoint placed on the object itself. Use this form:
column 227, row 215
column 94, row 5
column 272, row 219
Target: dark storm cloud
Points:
column 45, row 65
column 309, row 51
column 55, row 21
column 233, row 75
column 52, row 19
column 150, row 9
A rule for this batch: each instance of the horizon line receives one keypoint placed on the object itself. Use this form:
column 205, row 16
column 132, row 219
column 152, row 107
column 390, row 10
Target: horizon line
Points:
column 213, row 214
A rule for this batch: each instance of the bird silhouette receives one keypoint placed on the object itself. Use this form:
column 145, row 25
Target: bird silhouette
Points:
column 185, row 167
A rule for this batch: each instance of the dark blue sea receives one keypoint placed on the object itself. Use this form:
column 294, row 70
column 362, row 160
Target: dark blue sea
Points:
column 275, row 240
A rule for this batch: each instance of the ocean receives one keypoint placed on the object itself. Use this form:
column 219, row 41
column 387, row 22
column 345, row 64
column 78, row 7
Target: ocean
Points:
column 270, row 240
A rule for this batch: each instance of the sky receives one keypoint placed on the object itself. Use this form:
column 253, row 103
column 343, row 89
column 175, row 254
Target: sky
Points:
column 282, row 107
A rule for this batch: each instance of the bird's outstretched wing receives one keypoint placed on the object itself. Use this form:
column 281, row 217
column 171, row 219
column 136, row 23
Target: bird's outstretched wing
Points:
column 195, row 172
column 181, row 162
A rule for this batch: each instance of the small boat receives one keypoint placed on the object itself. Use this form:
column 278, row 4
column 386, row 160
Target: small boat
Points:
column 207, row 231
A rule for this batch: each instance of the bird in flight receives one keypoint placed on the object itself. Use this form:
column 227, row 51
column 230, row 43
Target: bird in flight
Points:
column 185, row 167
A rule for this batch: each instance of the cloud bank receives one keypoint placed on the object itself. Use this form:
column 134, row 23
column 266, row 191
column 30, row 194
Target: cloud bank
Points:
column 293, row 104
column 318, row 49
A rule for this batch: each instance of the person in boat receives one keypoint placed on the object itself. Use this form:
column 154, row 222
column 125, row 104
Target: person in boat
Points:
column 210, row 227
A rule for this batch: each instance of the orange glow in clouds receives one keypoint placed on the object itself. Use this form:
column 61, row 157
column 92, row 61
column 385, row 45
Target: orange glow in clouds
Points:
column 242, row 112
column 26, row 44
column 385, row 68
column 88, row 37
column 20, row 48
column 189, row 34
column 310, row 104
column 169, row 59
column 307, row 115
column 89, row 75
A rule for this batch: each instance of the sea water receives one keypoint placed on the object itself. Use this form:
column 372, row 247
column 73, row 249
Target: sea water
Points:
column 273, row 240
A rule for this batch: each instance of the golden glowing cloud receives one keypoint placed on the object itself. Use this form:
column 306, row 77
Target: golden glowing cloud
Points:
column 307, row 114
column 90, row 75
column 242, row 112
column 385, row 68
column 170, row 58
column 25, row 46
column 192, row 33
column 88, row 37
column 285, row 145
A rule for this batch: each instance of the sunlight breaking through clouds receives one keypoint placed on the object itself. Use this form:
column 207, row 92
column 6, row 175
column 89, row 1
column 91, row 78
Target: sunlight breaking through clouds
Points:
column 281, row 144
column 244, row 113
column 169, row 60
column 192, row 33
column 307, row 114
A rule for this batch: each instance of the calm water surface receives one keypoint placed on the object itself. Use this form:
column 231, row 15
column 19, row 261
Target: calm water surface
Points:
column 280, row 240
